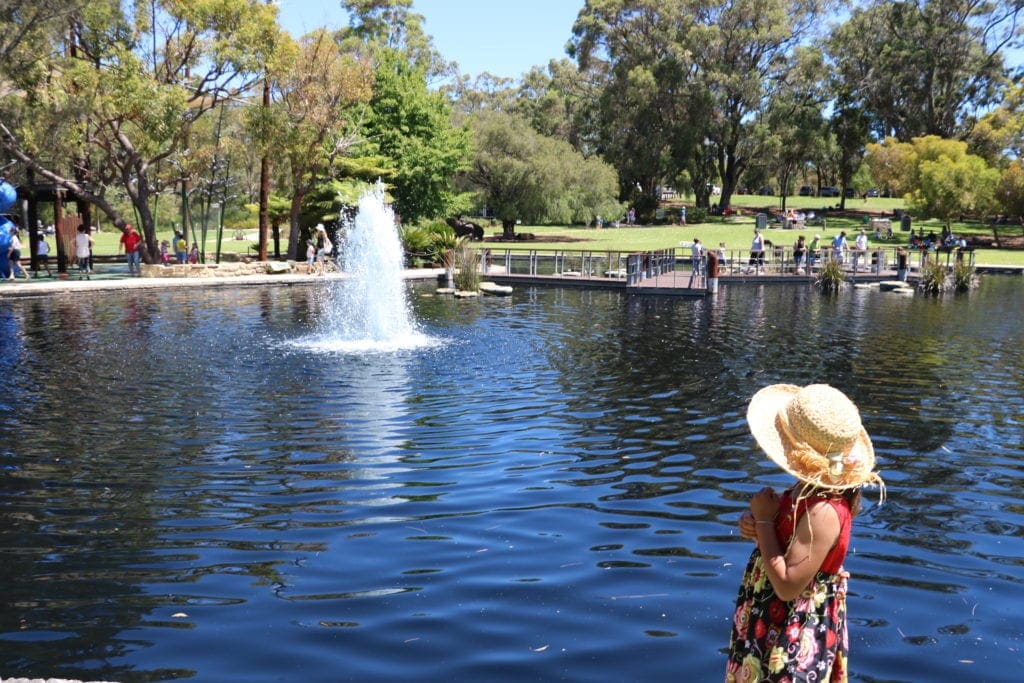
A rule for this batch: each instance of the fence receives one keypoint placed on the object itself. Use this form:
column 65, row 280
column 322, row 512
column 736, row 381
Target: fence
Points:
column 635, row 267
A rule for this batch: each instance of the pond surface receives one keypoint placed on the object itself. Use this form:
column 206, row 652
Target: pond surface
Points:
column 549, row 492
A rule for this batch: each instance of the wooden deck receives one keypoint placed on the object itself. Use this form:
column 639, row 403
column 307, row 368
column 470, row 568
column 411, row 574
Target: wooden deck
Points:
column 665, row 272
column 679, row 283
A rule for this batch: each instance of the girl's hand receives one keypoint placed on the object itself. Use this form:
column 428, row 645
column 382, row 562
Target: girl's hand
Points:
column 747, row 527
column 764, row 505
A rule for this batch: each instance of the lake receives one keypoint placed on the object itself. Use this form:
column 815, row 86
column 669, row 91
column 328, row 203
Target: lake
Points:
column 546, row 490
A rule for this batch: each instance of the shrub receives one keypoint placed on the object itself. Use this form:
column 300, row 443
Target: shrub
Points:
column 696, row 214
column 442, row 239
column 467, row 267
column 963, row 277
column 416, row 242
column 933, row 277
column 831, row 276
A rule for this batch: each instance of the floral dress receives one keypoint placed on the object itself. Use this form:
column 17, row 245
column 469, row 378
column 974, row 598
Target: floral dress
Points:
column 801, row 640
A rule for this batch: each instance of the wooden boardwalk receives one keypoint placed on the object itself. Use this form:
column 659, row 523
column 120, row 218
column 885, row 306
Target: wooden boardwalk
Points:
column 664, row 272
column 678, row 282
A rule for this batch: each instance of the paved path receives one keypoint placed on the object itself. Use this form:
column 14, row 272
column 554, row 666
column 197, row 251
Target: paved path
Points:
column 118, row 280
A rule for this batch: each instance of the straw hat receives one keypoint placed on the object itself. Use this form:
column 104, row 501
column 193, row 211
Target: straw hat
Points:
column 815, row 434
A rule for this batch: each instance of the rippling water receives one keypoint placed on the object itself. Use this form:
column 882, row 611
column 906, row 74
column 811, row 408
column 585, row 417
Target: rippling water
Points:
column 547, row 492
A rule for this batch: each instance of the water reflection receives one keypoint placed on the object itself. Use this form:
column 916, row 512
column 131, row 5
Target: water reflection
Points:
column 551, row 492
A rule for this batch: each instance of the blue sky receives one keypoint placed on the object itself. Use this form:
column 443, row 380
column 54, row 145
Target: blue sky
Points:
column 502, row 37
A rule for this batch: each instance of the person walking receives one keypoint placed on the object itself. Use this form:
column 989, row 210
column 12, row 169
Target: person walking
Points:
column 83, row 251
column 790, row 619
column 43, row 255
column 14, row 254
column 310, row 256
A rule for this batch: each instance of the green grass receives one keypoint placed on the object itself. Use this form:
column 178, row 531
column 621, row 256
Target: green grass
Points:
column 107, row 242
column 736, row 231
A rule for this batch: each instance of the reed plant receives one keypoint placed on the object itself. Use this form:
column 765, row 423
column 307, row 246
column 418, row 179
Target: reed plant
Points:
column 934, row 277
column 831, row 276
column 963, row 277
column 467, row 266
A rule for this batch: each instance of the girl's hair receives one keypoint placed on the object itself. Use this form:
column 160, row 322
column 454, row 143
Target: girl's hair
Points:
column 853, row 499
column 851, row 496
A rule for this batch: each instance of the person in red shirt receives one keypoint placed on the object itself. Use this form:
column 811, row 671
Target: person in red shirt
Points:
column 131, row 242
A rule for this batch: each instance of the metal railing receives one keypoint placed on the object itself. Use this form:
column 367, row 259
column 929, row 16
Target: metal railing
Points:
column 635, row 267
column 567, row 263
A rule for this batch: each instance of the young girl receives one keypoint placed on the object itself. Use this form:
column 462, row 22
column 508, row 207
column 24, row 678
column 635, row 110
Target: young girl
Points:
column 310, row 255
column 193, row 256
column 790, row 618
column 165, row 256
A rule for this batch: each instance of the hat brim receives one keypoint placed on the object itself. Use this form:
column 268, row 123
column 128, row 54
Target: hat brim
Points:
column 762, row 412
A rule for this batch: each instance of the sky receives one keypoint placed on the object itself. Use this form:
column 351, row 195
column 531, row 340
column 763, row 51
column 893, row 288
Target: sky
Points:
column 505, row 38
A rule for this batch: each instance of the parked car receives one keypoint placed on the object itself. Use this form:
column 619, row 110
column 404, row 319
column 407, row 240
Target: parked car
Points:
column 873, row 192
column 766, row 191
column 828, row 191
column 806, row 191
column 849, row 193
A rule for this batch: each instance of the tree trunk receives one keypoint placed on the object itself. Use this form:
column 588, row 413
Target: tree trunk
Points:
column 147, row 229
column 265, row 187
column 508, row 228
column 293, row 225
column 264, row 220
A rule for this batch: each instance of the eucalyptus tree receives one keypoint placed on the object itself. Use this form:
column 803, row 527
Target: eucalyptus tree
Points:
column 114, row 96
column 25, row 28
column 925, row 67
column 470, row 94
column 318, row 93
column 392, row 25
column 638, row 52
column 745, row 50
column 561, row 101
column 998, row 135
column 686, row 78
column 794, row 129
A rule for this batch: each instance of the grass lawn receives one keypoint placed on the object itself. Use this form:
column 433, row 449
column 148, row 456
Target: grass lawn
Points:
column 736, row 231
column 108, row 240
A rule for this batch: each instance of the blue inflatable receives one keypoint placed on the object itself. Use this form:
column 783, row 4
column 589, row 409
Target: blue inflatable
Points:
column 8, row 196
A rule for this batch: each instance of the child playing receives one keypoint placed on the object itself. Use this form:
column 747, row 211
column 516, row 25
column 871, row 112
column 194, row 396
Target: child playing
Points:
column 165, row 256
column 790, row 618
column 193, row 256
column 180, row 247
column 310, row 255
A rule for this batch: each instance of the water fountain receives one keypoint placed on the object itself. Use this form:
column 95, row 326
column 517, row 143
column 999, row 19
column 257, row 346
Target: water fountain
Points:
column 367, row 312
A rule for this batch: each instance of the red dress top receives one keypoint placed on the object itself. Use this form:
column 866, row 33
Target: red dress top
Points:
column 786, row 520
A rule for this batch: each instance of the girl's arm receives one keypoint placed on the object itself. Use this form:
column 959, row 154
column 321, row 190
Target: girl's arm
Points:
column 790, row 570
